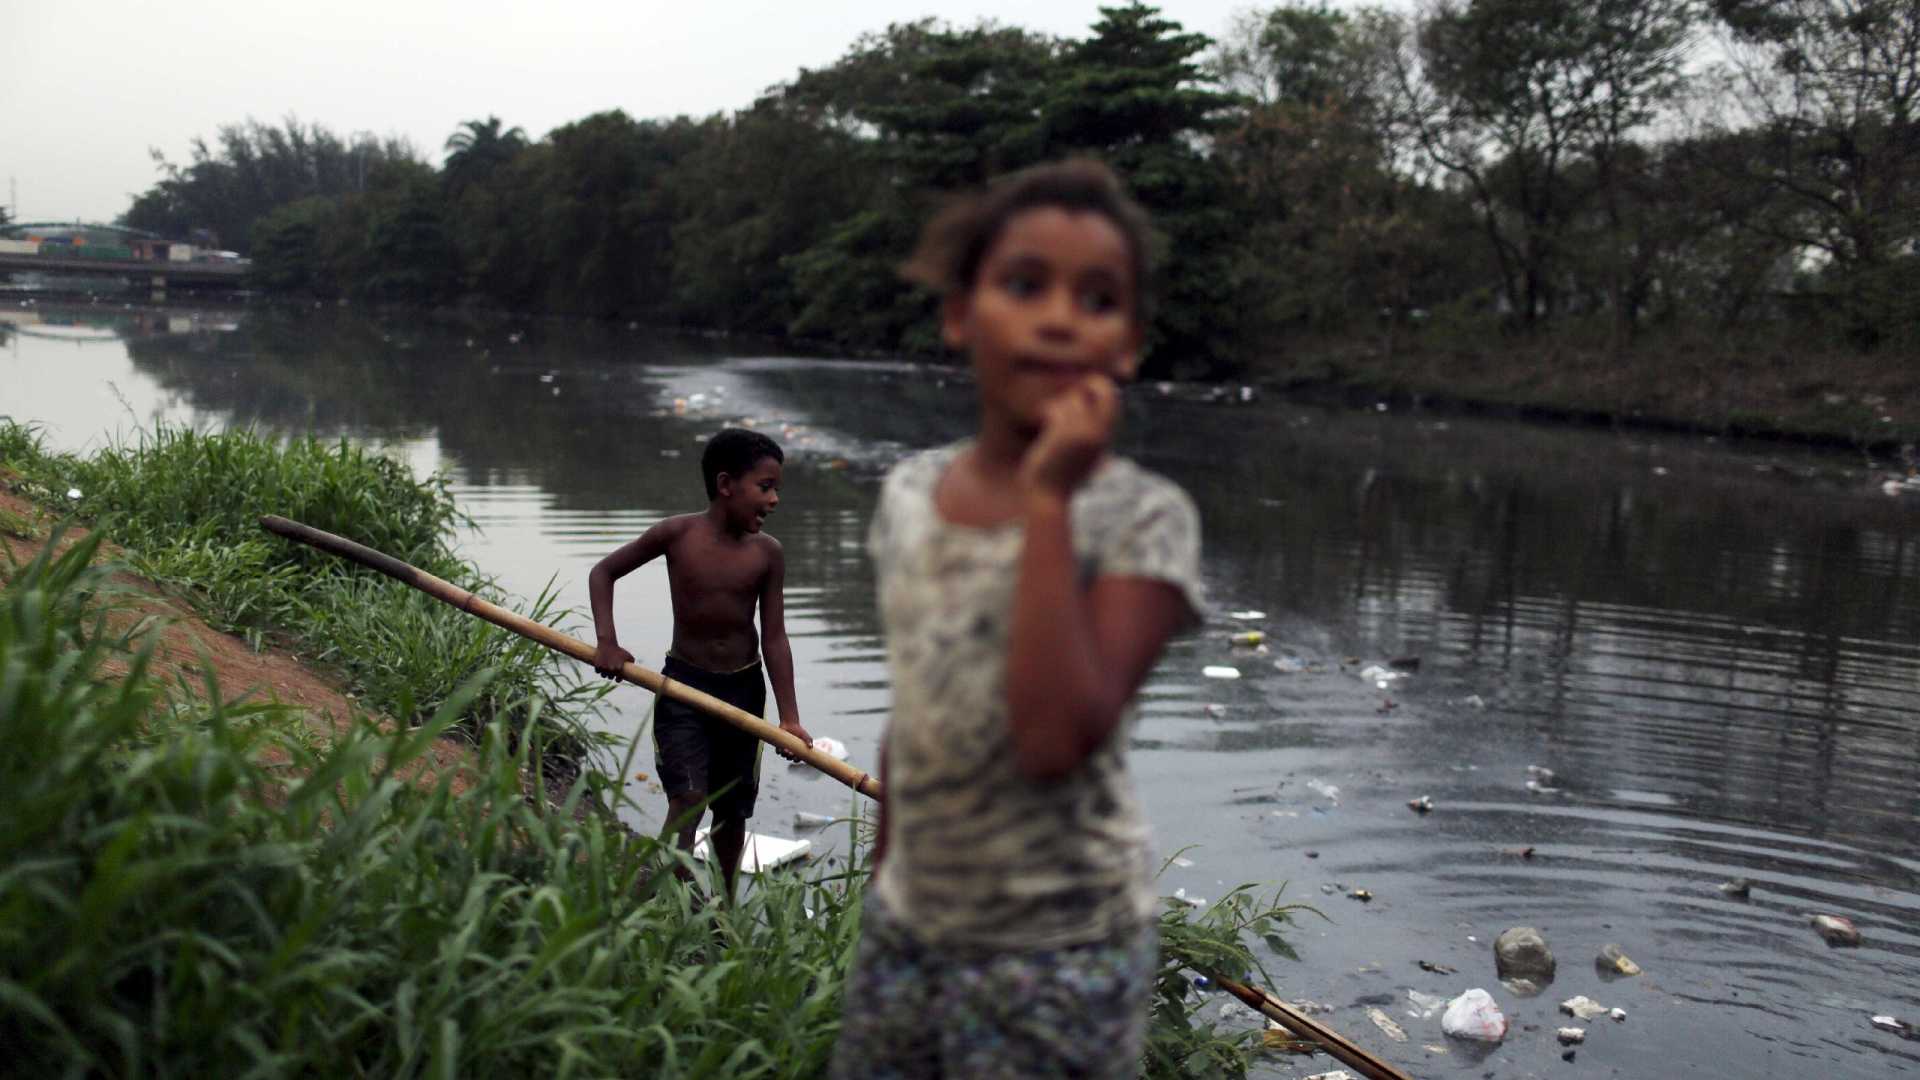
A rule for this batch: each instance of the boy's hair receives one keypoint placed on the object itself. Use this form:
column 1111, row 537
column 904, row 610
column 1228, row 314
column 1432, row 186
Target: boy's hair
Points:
column 947, row 258
column 734, row 451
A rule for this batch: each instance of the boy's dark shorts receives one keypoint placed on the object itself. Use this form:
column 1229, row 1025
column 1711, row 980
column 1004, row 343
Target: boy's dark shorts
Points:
column 695, row 754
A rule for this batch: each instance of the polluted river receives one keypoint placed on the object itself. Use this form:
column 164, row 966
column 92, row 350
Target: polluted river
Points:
column 1650, row 692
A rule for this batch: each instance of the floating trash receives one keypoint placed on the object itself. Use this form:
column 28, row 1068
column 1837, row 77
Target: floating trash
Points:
column 1571, row 1036
column 1220, row 671
column 1361, row 895
column 1244, row 615
column 1248, row 638
column 831, row 747
column 1329, row 792
column 1896, row 1025
column 1386, row 1025
column 1290, row 665
column 1838, row 930
column 1436, row 969
column 1474, row 1015
column 1421, row 805
column 1583, row 1008
column 1739, row 888
column 804, row 820
column 1612, row 961
column 1180, row 894
column 1216, row 711
column 1425, row 1005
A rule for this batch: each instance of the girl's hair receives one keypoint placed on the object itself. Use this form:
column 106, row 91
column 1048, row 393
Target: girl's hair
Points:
column 947, row 258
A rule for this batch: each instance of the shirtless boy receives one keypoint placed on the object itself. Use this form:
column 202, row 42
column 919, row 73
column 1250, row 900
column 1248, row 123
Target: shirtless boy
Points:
column 719, row 565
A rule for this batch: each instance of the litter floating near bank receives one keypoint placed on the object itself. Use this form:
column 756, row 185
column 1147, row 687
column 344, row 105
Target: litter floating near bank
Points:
column 1838, row 930
column 1220, row 671
column 1474, row 1015
column 761, row 853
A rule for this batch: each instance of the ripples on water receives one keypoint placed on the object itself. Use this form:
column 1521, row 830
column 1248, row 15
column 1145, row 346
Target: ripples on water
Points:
column 1716, row 649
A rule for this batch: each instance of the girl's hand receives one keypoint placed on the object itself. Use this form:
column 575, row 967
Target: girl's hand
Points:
column 1076, row 428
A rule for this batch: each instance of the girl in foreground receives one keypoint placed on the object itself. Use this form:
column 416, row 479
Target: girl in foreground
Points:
column 1028, row 581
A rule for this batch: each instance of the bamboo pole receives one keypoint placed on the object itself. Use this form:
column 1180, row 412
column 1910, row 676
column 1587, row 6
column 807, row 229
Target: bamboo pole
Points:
column 1272, row 1007
column 1307, row 1027
column 473, row 605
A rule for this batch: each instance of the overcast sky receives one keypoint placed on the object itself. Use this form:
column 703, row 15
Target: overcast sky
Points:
column 88, row 86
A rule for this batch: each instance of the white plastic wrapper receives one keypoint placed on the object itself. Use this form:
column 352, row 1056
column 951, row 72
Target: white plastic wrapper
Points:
column 1474, row 1015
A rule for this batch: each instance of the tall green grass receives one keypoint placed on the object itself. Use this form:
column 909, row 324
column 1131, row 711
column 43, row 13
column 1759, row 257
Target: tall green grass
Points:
column 186, row 506
column 171, row 907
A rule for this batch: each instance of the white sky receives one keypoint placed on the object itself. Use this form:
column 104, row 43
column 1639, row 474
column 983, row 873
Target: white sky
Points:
column 88, row 86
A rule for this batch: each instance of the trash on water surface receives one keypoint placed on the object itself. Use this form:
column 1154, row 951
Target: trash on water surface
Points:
column 1180, row 894
column 1362, row 895
column 1539, row 788
column 1248, row 637
column 1838, row 930
column 1421, row 805
column 1381, row 677
column 1474, row 1015
column 1329, row 792
column 804, row 820
column 1182, row 862
column 1522, row 953
column 1582, row 1008
column 1437, row 969
column 1425, row 1005
column 1387, row 1026
column 831, row 747
column 762, row 852
column 1216, row 710
column 1220, row 671
column 1474, row 701
column 1540, row 773
column 1571, row 1036
column 1618, row 1016
column 1739, row 888
column 1897, row 1026
column 1290, row 665
column 1246, row 615
column 1337, row 1074
column 1612, row 961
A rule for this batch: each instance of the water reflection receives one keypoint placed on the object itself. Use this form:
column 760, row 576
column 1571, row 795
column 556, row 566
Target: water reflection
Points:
column 1716, row 649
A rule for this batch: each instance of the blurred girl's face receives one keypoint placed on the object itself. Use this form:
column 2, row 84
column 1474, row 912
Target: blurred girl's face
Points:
column 1052, row 303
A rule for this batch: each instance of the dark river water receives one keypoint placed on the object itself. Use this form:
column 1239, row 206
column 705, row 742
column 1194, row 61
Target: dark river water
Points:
column 1714, row 648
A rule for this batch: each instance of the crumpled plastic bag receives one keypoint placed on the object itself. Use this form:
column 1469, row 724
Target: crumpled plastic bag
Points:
column 1474, row 1015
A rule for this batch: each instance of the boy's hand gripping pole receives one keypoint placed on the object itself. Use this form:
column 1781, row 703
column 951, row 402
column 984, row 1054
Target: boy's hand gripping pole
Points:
column 473, row 605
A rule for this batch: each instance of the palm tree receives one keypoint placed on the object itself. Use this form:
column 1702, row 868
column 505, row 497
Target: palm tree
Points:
column 477, row 148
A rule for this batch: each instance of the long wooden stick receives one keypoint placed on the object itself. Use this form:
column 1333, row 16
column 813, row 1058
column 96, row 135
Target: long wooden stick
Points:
column 1308, row 1028
column 1293, row 1020
column 450, row 593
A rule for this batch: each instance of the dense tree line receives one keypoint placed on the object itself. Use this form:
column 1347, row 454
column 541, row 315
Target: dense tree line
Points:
column 1603, row 172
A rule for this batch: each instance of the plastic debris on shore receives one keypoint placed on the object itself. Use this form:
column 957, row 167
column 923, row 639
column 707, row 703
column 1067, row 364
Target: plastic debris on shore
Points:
column 1220, row 671
column 1474, row 1015
column 1838, row 930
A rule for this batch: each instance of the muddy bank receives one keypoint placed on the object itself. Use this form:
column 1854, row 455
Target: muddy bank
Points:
column 1836, row 399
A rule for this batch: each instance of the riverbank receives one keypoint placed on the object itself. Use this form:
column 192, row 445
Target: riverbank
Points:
column 1849, row 399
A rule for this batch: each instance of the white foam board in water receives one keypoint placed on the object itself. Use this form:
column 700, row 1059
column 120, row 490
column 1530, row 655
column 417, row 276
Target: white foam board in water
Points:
column 762, row 852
